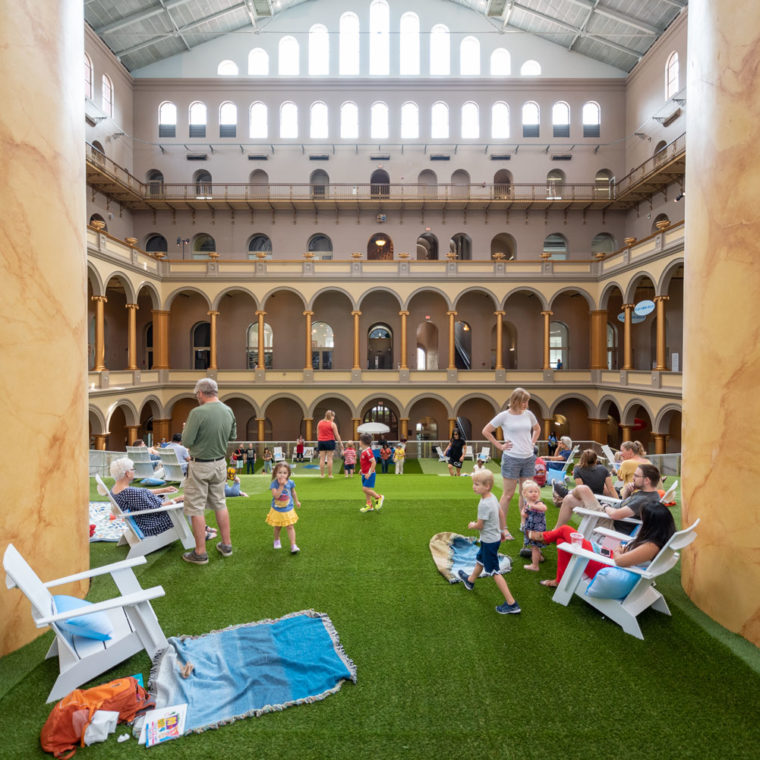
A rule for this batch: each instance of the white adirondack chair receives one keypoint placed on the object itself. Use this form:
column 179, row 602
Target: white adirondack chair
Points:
column 277, row 454
column 441, row 456
column 172, row 467
column 485, row 454
column 81, row 659
column 469, row 453
column 140, row 544
column 308, row 453
column 611, row 458
column 558, row 476
column 643, row 595
column 140, row 455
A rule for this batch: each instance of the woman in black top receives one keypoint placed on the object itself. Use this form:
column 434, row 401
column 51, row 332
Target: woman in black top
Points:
column 455, row 453
column 594, row 475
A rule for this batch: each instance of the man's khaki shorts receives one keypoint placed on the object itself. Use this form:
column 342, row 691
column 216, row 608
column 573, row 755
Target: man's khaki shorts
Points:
column 204, row 487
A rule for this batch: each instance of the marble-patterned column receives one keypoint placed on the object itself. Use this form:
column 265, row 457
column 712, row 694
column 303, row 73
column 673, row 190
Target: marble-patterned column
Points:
column 307, row 357
column 132, row 336
column 598, row 339
column 160, row 339
column 721, row 569
column 100, row 340
column 452, row 354
column 598, row 430
column 499, row 339
column 627, row 340
column 547, row 332
column 260, row 429
column 661, row 366
column 212, row 364
column 403, row 427
column 402, row 364
column 261, row 350
column 356, row 315
column 309, row 429
column 356, row 421
column 42, row 301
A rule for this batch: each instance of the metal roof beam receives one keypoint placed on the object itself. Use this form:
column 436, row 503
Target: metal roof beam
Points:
column 136, row 18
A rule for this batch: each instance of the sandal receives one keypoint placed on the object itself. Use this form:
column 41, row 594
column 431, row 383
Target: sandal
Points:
column 549, row 583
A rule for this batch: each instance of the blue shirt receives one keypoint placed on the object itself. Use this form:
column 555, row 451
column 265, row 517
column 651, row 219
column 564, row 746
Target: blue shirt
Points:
column 285, row 502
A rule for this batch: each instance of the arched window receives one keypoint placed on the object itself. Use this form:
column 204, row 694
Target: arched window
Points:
column 555, row 184
column 500, row 121
column 258, row 127
column 381, row 412
column 469, row 57
column 603, row 243
column 612, row 346
column 409, row 51
column 556, row 246
column 155, row 181
column 379, row 36
column 470, row 121
column 203, row 186
column 167, row 120
column 349, row 121
column 259, row 244
column 99, row 218
column 319, row 51
column 322, row 345
column 671, row 76
column 88, row 77
column 379, row 347
column 380, row 184
column 321, row 246
column 201, row 339
column 227, row 68
column 197, row 119
column 558, row 345
column 427, row 184
column 318, row 128
column 203, row 245
column 505, row 244
column 288, row 120
column 106, row 95
column 259, row 183
column 348, row 52
column 440, row 51
column 319, row 182
column 410, row 121
column 502, row 186
column 530, row 68
column 378, row 127
column 227, row 120
column 288, row 64
column 604, row 183
column 501, row 63
column 531, row 119
column 461, row 245
column 561, row 119
column 258, row 63
column 156, row 244
column 252, row 346
column 439, row 120
column 592, row 119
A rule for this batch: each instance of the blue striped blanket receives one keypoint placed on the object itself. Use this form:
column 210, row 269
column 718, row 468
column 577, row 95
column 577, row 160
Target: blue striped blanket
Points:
column 452, row 553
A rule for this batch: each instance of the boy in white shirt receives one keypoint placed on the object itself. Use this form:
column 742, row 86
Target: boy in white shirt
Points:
column 492, row 527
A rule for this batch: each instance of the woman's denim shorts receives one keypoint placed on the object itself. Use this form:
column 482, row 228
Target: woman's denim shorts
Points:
column 516, row 469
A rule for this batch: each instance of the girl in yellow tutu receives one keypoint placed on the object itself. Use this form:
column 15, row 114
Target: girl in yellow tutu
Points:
column 283, row 512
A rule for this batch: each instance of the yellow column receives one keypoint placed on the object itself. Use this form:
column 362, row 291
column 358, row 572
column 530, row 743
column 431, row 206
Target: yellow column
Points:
column 356, row 422
column 546, row 315
column 547, row 426
column 659, row 443
column 627, row 346
column 452, row 423
column 598, row 431
column 403, row 315
column 499, row 339
column 404, row 427
column 452, row 355
column 42, row 291
column 260, row 363
column 660, row 301
column 160, row 339
column 100, row 342
column 626, row 432
column 100, row 441
column 308, row 315
column 132, row 431
column 212, row 330
column 356, row 315
column 599, row 339
column 160, row 430
column 261, row 431
column 309, row 429
column 132, row 336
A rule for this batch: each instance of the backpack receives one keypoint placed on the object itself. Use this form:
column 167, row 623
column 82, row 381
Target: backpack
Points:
column 69, row 719
column 540, row 476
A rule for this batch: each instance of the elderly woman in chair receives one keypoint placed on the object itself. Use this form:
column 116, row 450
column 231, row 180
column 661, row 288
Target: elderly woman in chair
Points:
column 657, row 526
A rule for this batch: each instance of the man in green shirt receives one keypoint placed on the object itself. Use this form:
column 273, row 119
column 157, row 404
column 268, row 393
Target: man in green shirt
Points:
column 209, row 428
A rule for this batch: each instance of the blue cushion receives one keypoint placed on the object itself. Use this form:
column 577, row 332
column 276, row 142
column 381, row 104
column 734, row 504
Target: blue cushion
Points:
column 612, row 583
column 152, row 482
column 94, row 625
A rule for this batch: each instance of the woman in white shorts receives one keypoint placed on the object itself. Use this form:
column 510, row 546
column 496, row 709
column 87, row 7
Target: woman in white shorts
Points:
column 520, row 430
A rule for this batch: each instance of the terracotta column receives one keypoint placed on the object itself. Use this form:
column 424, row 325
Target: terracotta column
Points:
column 261, row 431
column 100, row 342
column 308, row 315
column 132, row 336
column 626, row 432
column 547, row 426
column 212, row 330
column 546, row 315
column 720, row 570
column 132, row 431
column 659, row 443
column 356, row 315
column 627, row 346
column 599, row 339
column 660, row 301
column 598, row 430
column 402, row 363
column 403, row 427
column 160, row 430
column 452, row 423
column 261, row 359
column 100, row 441
column 160, row 339
column 499, row 339
column 309, row 429
column 356, row 422
column 452, row 355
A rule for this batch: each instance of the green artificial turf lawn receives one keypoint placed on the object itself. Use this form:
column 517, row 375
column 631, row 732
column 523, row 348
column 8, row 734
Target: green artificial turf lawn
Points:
column 440, row 674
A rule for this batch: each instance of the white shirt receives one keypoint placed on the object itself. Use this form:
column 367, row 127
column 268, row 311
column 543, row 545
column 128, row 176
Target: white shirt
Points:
column 517, row 428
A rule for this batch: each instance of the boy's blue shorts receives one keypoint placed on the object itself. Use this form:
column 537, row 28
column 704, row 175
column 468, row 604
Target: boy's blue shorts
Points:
column 368, row 481
column 488, row 556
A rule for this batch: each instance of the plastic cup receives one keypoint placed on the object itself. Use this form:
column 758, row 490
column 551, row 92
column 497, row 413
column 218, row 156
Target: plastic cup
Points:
column 577, row 539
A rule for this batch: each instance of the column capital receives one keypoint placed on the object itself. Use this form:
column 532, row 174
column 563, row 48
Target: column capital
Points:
column 131, row 306
column 657, row 299
column 308, row 314
column 451, row 313
column 356, row 314
column 99, row 299
column 628, row 306
column 260, row 313
column 499, row 313
column 213, row 313
column 547, row 313
column 403, row 313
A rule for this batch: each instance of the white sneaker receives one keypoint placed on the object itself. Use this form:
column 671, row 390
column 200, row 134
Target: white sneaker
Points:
column 379, row 503
column 294, row 549
column 277, row 544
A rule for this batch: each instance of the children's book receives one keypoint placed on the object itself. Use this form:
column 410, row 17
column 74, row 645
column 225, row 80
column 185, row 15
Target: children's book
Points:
column 163, row 725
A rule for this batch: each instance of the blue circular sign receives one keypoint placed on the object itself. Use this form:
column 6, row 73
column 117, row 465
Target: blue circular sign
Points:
column 636, row 319
column 643, row 308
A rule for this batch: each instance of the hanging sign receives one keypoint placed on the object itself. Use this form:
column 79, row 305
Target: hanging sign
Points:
column 643, row 308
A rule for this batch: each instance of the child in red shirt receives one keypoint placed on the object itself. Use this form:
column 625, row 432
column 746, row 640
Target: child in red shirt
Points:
column 349, row 459
column 374, row 501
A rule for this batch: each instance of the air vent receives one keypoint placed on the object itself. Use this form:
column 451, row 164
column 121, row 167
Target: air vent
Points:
column 196, row 156
column 258, row 157
column 501, row 157
column 319, row 157
column 380, row 157
column 440, row 157
column 562, row 157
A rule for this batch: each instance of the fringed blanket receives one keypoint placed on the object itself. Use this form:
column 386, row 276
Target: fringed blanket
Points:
column 250, row 669
column 107, row 528
column 452, row 552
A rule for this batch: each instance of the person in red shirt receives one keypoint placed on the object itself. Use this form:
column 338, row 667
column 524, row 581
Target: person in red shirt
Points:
column 374, row 501
column 349, row 459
